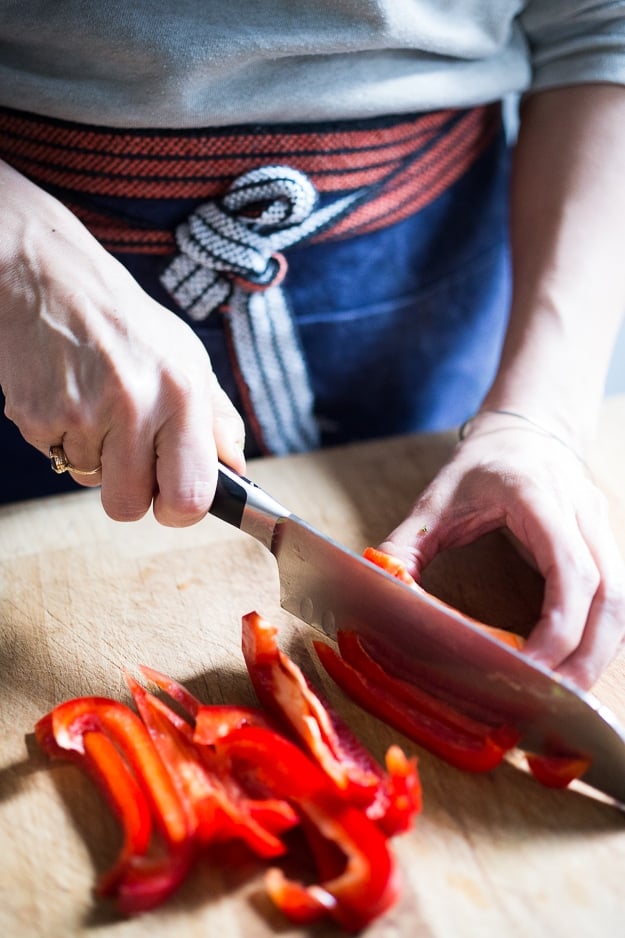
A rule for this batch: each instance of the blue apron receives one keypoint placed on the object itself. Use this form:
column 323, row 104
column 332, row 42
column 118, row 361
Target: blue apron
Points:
column 399, row 317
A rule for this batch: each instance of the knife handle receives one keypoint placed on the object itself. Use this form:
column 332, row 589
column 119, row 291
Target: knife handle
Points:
column 244, row 505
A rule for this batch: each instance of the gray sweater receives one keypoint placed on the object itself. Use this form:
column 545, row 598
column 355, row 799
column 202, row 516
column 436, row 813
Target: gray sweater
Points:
column 186, row 63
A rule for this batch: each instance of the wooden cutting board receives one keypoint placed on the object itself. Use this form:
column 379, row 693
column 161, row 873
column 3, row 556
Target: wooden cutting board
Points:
column 82, row 597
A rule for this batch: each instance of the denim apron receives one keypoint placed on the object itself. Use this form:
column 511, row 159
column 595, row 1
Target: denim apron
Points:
column 393, row 291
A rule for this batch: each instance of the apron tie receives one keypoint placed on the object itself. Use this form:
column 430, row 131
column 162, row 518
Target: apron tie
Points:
column 230, row 258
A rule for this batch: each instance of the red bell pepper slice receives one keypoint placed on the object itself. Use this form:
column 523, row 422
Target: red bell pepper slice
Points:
column 392, row 565
column 212, row 725
column 460, row 748
column 88, row 730
column 556, row 771
column 189, row 703
column 223, row 773
column 215, row 721
column 398, row 569
column 368, row 883
column 402, row 793
column 418, row 699
column 283, row 690
column 217, row 808
column 70, row 722
column 210, row 722
column 103, row 763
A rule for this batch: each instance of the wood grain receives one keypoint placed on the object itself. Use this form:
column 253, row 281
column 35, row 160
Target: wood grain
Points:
column 82, row 597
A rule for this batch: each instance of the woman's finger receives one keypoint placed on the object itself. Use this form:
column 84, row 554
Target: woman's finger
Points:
column 552, row 537
column 128, row 472
column 79, row 456
column 605, row 625
column 228, row 429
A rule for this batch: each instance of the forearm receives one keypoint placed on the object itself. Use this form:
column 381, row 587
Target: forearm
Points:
column 567, row 235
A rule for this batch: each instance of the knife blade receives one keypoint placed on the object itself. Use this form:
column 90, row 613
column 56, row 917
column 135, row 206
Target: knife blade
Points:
column 413, row 633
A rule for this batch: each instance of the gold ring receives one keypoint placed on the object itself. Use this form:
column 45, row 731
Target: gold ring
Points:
column 61, row 464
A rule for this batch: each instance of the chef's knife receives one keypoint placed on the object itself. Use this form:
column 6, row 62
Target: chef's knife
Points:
column 414, row 633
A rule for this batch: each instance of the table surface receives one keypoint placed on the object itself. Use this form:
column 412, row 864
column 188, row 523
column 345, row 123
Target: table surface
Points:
column 83, row 597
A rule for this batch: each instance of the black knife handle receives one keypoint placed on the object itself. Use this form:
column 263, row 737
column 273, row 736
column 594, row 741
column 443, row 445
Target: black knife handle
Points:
column 243, row 504
column 230, row 497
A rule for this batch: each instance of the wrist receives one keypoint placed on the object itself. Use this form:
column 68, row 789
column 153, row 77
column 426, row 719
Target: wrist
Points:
column 538, row 384
column 489, row 419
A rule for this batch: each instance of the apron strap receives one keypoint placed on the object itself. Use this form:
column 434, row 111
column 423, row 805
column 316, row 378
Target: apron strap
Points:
column 230, row 259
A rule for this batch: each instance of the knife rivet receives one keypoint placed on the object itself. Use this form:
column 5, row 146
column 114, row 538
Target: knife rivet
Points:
column 328, row 623
column 306, row 609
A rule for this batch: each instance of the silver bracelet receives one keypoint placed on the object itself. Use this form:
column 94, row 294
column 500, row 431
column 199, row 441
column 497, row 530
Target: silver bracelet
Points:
column 462, row 432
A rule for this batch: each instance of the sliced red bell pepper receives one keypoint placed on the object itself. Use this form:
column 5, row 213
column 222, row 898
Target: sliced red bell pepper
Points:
column 189, row 703
column 259, row 817
column 417, row 698
column 461, row 748
column 402, row 793
column 283, row 690
column 103, row 763
column 215, row 721
column 368, row 883
column 398, row 569
column 209, row 721
column 127, row 801
column 217, row 807
column 222, row 773
column 70, row 722
column 392, row 565
column 79, row 729
column 556, row 771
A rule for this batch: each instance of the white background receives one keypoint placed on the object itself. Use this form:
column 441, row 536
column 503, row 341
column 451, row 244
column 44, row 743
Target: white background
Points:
column 616, row 377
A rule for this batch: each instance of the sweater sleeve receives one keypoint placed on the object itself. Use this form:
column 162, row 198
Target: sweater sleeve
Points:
column 575, row 42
